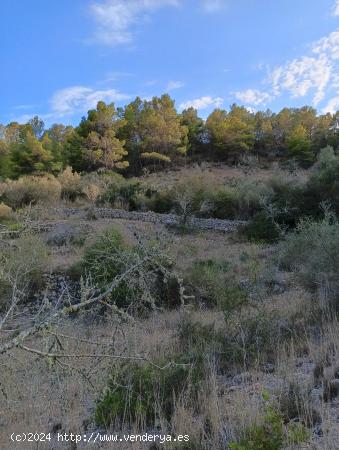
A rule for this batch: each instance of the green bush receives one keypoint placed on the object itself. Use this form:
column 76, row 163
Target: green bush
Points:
column 149, row 281
column 121, row 192
column 105, row 260
column 312, row 252
column 251, row 195
column 224, row 204
column 262, row 228
column 271, row 433
column 215, row 286
column 144, row 393
column 161, row 202
column 323, row 185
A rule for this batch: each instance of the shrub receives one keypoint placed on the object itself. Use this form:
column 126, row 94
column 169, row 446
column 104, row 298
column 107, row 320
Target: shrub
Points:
column 312, row 251
column 70, row 184
column 224, row 204
column 91, row 192
column 323, row 185
column 251, row 196
column 31, row 190
column 122, row 193
column 262, row 228
column 104, row 263
column 5, row 212
column 271, row 433
column 215, row 285
column 150, row 283
column 287, row 200
column 143, row 393
column 22, row 267
column 161, row 202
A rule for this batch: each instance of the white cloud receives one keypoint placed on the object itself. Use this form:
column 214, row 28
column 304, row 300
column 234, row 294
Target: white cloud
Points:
column 115, row 18
column 336, row 8
column 203, row 103
column 80, row 98
column 332, row 106
column 212, row 6
column 303, row 75
column 74, row 100
column 328, row 45
column 172, row 85
column 253, row 96
column 315, row 74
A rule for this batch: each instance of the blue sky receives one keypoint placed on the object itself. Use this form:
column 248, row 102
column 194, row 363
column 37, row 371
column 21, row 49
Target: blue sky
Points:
column 60, row 57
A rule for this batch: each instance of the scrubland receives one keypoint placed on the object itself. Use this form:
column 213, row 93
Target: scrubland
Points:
column 111, row 325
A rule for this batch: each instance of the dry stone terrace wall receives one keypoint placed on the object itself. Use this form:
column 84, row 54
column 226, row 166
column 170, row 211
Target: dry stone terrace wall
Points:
column 166, row 219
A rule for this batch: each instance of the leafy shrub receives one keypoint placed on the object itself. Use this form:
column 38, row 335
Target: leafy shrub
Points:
column 161, row 202
column 70, row 184
column 271, row 433
column 104, row 263
column 312, row 251
column 251, row 196
column 323, row 185
column 143, row 393
column 31, row 190
column 224, row 204
column 215, row 284
column 122, row 193
column 253, row 337
column 5, row 212
column 262, row 228
column 147, row 286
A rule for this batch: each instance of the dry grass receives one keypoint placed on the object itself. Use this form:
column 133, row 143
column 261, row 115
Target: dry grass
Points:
column 39, row 394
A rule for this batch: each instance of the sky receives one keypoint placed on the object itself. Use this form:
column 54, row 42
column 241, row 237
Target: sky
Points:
column 60, row 57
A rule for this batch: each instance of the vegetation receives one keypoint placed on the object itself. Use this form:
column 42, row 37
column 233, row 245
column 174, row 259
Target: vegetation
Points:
column 151, row 134
column 151, row 330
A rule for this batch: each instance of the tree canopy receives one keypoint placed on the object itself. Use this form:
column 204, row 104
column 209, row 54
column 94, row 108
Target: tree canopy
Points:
column 152, row 133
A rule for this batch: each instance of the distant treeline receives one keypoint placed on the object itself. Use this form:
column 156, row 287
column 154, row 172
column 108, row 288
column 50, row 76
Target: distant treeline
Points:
column 152, row 134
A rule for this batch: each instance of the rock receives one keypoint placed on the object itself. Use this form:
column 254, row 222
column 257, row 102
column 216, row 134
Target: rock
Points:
column 166, row 219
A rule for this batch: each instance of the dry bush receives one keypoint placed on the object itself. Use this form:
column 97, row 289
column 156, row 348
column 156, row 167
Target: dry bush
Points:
column 31, row 190
column 70, row 183
column 5, row 211
column 91, row 192
column 21, row 270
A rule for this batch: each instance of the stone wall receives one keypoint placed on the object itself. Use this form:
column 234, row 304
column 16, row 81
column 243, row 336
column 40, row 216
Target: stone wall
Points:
column 166, row 219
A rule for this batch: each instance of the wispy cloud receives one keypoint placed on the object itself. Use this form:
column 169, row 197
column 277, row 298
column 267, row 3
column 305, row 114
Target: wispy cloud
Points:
column 172, row 85
column 253, row 96
column 74, row 100
column 114, row 76
column 115, row 19
column 80, row 98
column 336, row 8
column 332, row 106
column 312, row 74
column 25, row 106
column 212, row 6
column 203, row 103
